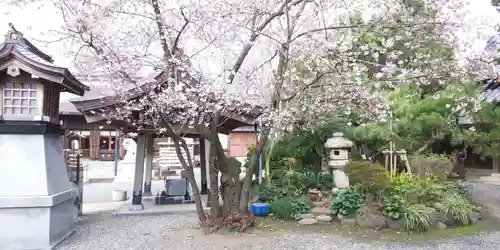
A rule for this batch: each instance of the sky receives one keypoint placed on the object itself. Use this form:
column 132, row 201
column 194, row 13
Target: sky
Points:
column 38, row 19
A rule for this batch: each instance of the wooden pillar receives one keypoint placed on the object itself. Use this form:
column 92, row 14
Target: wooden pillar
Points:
column 94, row 144
column 139, row 172
column 66, row 141
column 149, row 165
column 203, row 166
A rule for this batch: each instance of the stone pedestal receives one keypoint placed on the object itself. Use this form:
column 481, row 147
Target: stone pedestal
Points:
column 36, row 197
column 340, row 179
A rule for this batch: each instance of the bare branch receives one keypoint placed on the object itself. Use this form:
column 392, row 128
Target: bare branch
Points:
column 167, row 55
column 176, row 41
column 253, row 37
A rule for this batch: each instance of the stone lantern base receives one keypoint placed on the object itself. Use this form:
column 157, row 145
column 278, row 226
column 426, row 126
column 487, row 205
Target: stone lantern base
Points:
column 37, row 200
column 340, row 179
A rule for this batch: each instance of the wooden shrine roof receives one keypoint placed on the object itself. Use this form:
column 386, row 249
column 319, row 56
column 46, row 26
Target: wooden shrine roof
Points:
column 35, row 62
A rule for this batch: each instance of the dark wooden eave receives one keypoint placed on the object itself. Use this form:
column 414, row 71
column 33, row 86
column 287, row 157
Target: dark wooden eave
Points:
column 34, row 61
column 89, row 106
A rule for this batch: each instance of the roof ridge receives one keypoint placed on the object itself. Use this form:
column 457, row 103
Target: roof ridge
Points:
column 16, row 37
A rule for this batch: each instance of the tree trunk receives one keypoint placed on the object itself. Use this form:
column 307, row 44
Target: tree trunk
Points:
column 215, row 209
column 247, row 182
column 426, row 146
column 495, row 164
column 229, row 180
column 188, row 166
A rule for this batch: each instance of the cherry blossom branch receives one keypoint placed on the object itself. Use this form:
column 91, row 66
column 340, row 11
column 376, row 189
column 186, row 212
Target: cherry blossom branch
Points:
column 316, row 79
column 167, row 55
column 177, row 38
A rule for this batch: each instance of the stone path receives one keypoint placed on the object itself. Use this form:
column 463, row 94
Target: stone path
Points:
column 178, row 232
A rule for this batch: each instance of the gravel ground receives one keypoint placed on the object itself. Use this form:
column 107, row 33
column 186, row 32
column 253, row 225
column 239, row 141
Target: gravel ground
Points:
column 172, row 232
column 488, row 195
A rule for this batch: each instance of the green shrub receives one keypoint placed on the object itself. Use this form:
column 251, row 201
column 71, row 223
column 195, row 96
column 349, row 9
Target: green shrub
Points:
column 419, row 217
column 321, row 180
column 393, row 207
column 291, row 180
column 269, row 193
column 464, row 190
column 371, row 178
column 431, row 191
column 457, row 208
column 289, row 208
column 282, row 208
column 425, row 191
column 347, row 202
column 436, row 165
column 300, row 206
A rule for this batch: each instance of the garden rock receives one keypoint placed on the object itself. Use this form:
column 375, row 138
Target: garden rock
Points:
column 324, row 218
column 474, row 217
column 306, row 216
column 308, row 221
column 346, row 221
column 396, row 224
column 447, row 220
column 367, row 217
column 321, row 211
column 319, row 203
column 441, row 225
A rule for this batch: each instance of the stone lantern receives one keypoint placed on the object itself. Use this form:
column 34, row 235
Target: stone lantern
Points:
column 36, row 196
column 337, row 148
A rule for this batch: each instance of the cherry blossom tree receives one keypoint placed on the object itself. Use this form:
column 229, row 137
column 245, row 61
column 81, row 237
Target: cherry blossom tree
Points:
column 175, row 102
column 289, row 61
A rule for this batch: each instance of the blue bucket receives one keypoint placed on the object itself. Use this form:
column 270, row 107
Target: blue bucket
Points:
column 259, row 209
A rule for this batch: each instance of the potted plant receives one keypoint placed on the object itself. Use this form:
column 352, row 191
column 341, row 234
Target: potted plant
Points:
column 314, row 184
column 314, row 194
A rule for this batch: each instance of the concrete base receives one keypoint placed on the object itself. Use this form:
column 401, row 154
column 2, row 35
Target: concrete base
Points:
column 152, row 210
column 40, row 227
column 37, row 201
column 138, row 207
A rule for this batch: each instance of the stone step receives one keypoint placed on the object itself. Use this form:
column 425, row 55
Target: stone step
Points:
column 321, row 211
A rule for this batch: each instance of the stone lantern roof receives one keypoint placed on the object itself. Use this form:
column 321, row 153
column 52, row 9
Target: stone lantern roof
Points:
column 338, row 141
column 32, row 60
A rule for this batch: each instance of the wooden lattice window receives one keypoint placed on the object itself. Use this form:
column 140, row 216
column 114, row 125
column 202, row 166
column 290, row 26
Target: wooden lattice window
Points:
column 20, row 99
